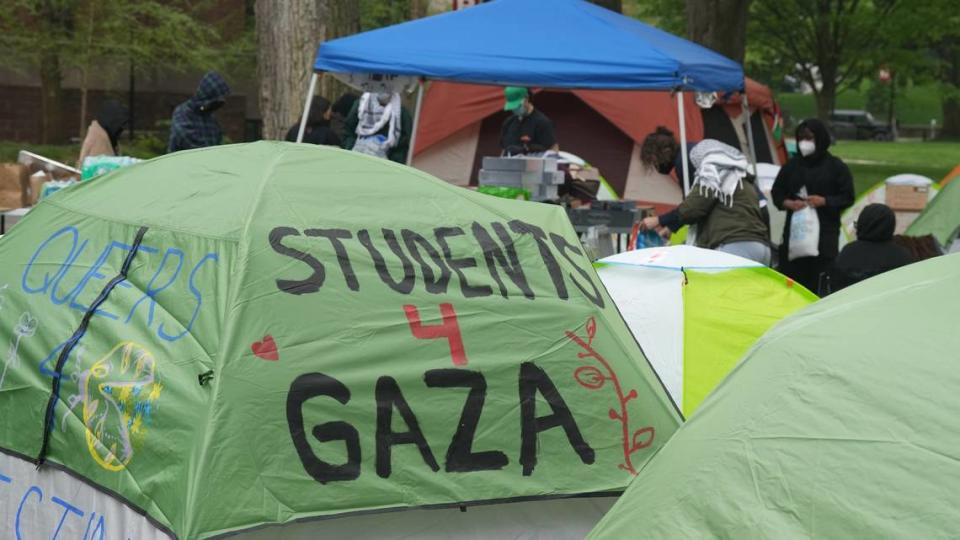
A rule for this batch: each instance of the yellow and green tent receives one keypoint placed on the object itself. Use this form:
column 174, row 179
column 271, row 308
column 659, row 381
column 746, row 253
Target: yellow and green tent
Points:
column 696, row 311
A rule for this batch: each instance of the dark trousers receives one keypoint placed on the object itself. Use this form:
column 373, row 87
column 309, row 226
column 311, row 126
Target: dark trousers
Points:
column 807, row 271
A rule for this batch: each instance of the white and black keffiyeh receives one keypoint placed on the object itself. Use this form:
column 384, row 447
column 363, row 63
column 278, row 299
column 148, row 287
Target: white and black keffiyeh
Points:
column 372, row 116
column 720, row 169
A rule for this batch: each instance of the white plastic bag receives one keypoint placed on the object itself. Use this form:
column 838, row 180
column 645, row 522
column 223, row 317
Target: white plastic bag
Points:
column 804, row 232
column 374, row 145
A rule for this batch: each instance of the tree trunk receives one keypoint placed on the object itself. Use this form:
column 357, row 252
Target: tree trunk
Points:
column 612, row 5
column 287, row 36
column 950, row 95
column 951, row 118
column 719, row 25
column 83, row 103
column 343, row 18
column 418, row 9
column 827, row 95
column 51, row 90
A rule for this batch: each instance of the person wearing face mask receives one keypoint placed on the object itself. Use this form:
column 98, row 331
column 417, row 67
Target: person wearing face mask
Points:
column 873, row 253
column 829, row 188
column 661, row 152
column 379, row 125
column 193, row 124
column 526, row 130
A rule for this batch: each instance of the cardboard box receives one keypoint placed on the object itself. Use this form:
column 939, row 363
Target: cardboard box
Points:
column 907, row 198
column 14, row 186
column 586, row 173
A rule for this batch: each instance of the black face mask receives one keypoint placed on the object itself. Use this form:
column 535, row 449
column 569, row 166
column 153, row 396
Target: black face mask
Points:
column 664, row 168
column 212, row 106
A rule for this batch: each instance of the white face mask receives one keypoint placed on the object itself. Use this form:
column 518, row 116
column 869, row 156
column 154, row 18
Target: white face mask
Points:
column 807, row 148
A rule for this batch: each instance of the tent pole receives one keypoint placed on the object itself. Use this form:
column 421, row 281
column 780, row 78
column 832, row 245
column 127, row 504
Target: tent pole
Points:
column 306, row 106
column 416, row 122
column 750, row 144
column 683, row 144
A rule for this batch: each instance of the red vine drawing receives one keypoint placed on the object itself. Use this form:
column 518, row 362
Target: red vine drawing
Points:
column 593, row 378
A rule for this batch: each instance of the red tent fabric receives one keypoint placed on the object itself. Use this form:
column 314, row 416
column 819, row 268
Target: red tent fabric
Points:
column 450, row 107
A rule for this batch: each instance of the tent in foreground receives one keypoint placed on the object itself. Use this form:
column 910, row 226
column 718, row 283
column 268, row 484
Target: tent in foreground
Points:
column 222, row 339
column 695, row 312
column 840, row 423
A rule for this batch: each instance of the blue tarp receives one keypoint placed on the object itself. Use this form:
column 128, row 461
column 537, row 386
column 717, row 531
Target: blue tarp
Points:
column 538, row 43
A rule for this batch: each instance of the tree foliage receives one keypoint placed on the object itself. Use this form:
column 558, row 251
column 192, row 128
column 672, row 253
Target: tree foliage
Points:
column 56, row 36
column 830, row 44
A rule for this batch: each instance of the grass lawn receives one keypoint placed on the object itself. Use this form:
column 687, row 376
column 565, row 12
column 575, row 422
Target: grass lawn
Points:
column 914, row 106
column 64, row 153
column 872, row 162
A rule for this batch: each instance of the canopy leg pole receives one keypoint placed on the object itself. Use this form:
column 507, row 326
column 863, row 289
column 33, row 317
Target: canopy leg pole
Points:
column 683, row 144
column 306, row 106
column 416, row 122
column 750, row 144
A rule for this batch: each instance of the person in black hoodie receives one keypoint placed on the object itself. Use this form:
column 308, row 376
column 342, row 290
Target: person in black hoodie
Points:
column 829, row 190
column 874, row 252
column 318, row 125
column 103, row 135
column 193, row 124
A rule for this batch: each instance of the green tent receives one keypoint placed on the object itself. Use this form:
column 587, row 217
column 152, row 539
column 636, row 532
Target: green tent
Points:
column 227, row 338
column 941, row 217
column 840, row 423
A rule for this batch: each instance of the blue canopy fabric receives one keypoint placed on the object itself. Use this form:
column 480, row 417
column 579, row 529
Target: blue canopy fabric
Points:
column 540, row 43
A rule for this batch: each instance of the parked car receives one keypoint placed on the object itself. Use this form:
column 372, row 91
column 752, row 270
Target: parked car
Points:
column 860, row 125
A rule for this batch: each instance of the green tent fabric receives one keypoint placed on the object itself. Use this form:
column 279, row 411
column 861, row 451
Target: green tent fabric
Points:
column 941, row 217
column 840, row 423
column 270, row 332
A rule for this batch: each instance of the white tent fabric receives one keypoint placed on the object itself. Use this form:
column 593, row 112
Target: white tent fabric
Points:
column 53, row 504
column 680, row 257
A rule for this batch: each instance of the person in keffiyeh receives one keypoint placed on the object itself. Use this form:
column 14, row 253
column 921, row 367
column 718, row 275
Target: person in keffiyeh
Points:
column 379, row 125
column 193, row 124
column 723, row 205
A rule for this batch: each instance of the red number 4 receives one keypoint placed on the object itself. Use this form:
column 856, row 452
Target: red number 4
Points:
column 449, row 329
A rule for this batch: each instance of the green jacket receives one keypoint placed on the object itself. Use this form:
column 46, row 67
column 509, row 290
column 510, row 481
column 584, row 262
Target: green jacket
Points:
column 717, row 223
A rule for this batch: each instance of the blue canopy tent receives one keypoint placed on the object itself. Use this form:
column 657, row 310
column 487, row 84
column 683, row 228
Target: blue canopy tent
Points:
column 568, row 44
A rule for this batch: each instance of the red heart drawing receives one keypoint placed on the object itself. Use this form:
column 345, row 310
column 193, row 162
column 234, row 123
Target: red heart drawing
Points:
column 266, row 349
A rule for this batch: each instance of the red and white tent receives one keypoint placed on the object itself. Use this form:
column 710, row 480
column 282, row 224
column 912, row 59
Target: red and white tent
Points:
column 460, row 123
